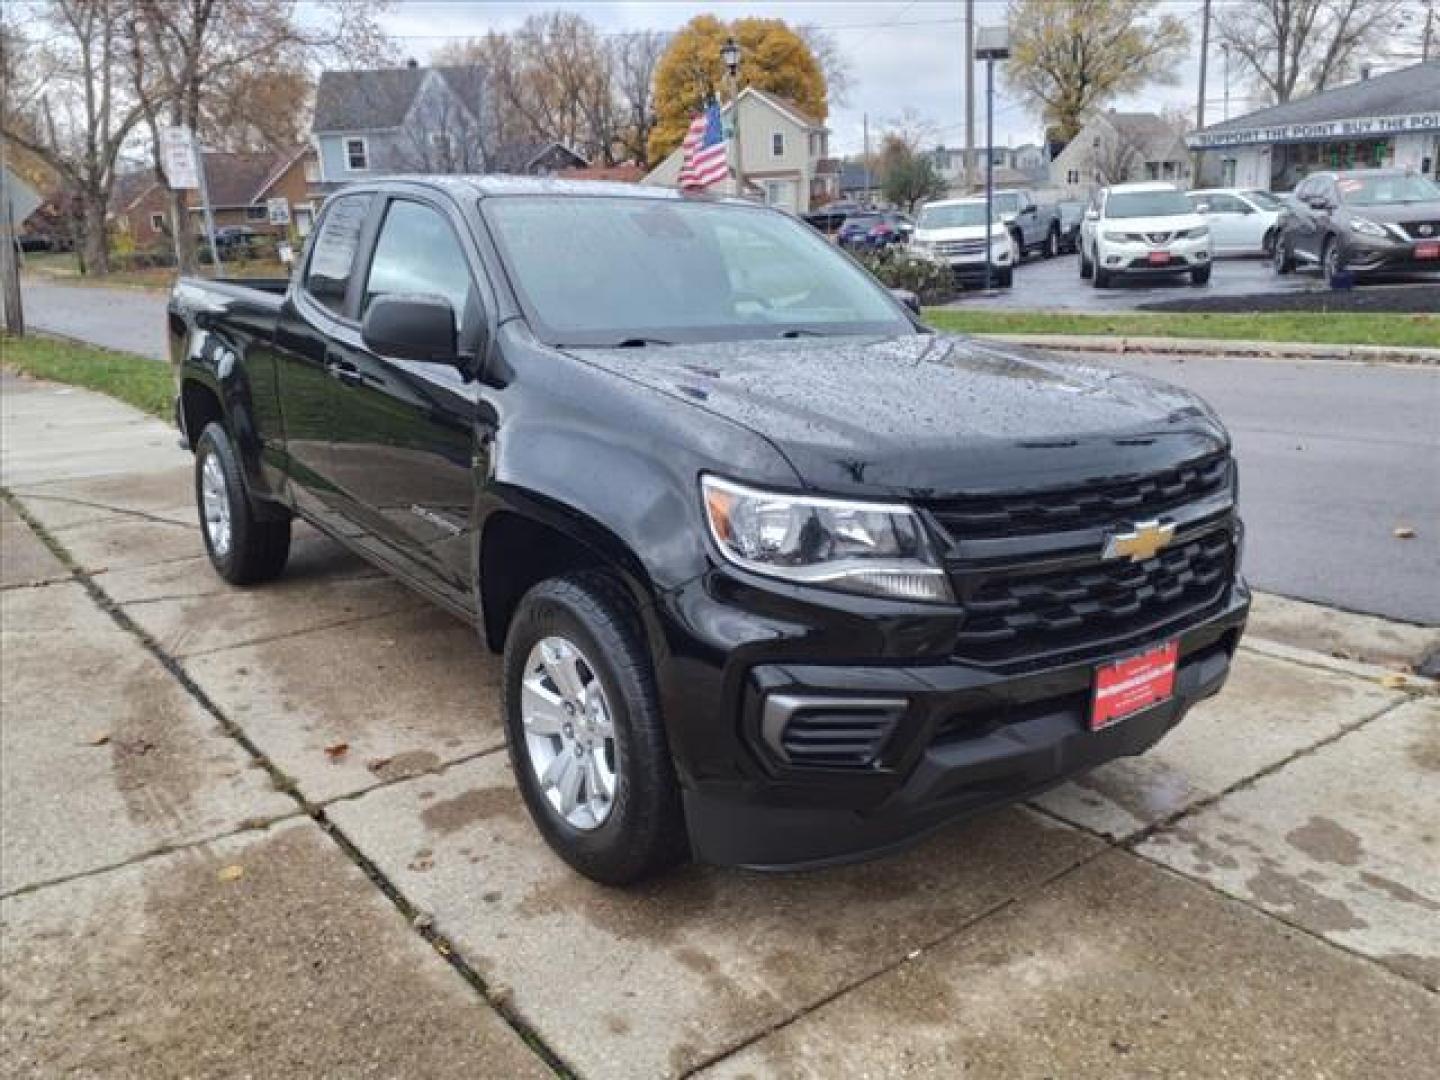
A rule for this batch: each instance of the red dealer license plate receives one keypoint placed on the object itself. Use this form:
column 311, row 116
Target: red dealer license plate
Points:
column 1159, row 258
column 1427, row 251
column 1132, row 684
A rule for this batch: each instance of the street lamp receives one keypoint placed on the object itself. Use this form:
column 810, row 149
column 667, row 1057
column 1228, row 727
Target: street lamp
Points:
column 730, row 57
column 991, row 43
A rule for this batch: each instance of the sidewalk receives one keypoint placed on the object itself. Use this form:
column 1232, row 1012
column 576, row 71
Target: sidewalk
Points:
column 273, row 832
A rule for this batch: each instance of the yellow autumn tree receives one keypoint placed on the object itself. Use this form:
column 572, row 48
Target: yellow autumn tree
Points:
column 773, row 57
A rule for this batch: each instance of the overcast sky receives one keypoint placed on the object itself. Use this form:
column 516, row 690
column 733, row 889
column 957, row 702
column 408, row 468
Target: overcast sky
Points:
column 903, row 53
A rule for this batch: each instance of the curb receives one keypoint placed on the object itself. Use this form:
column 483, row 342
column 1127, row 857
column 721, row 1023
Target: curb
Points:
column 1224, row 347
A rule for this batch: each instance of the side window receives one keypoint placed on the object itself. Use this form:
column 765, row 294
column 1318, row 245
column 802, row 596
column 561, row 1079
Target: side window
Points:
column 332, row 259
column 417, row 252
column 1225, row 204
column 777, row 144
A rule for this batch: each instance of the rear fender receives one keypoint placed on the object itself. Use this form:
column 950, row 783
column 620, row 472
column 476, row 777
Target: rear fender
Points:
column 214, row 363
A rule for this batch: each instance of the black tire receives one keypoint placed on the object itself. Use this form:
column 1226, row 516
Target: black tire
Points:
column 1267, row 244
column 643, row 832
column 1102, row 277
column 1086, row 267
column 256, row 547
column 1052, row 243
column 1332, row 261
column 1200, row 276
column 1017, row 241
column 1005, row 278
column 1282, row 259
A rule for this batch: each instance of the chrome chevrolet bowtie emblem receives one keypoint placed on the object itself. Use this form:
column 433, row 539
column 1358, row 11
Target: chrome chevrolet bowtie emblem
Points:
column 1144, row 539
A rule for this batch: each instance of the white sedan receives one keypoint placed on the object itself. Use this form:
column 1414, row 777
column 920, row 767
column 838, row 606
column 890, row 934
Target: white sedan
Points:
column 1242, row 221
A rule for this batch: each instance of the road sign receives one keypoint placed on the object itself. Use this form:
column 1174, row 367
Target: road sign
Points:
column 279, row 210
column 177, row 158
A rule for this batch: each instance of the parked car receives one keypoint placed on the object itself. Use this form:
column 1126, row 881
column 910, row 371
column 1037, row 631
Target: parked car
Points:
column 1071, row 212
column 1361, row 222
column 952, row 232
column 781, row 577
column 1241, row 222
column 234, row 239
column 874, row 230
column 1143, row 230
column 828, row 218
column 1034, row 225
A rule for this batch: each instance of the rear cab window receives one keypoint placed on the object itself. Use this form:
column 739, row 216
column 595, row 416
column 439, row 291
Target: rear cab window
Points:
column 332, row 256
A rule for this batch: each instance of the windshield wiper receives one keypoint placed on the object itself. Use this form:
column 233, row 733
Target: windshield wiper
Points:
column 640, row 342
column 801, row 331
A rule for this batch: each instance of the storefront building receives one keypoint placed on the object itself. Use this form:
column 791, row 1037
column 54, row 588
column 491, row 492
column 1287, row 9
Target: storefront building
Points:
column 1389, row 121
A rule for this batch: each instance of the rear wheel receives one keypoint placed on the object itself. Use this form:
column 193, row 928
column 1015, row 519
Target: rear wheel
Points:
column 1086, row 267
column 1052, row 243
column 244, row 547
column 583, row 725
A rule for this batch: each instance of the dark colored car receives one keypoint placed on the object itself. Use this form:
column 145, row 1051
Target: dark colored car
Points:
column 875, row 230
column 780, row 576
column 1070, row 213
column 1360, row 223
column 831, row 216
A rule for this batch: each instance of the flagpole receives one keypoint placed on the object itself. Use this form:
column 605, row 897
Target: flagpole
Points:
column 730, row 55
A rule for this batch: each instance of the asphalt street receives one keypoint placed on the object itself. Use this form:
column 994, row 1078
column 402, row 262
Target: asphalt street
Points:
column 131, row 320
column 1055, row 285
column 1333, row 459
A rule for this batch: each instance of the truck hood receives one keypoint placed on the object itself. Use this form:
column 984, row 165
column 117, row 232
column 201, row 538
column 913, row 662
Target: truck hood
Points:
column 928, row 415
column 960, row 232
column 1166, row 223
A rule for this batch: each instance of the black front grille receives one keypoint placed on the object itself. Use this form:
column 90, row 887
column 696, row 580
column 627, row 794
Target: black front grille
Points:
column 1018, row 614
column 1417, row 230
column 1098, row 504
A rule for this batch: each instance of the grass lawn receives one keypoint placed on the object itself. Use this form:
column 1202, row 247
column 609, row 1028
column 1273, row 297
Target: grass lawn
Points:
column 143, row 383
column 1327, row 328
column 62, row 268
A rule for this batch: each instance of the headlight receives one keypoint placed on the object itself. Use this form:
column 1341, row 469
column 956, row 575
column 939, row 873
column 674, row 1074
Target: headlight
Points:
column 1198, row 233
column 872, row 548
column 1368, row 227
column 1122, row 237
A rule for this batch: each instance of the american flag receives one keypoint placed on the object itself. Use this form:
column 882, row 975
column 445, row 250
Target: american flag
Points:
column 706, row 161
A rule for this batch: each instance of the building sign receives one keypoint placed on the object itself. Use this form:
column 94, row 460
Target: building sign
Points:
column 279, row 211
column 177, row 158
column 1373, row 127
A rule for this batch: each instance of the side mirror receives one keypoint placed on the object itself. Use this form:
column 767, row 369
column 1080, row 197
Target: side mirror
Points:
column 411, row 326
column 908, row 298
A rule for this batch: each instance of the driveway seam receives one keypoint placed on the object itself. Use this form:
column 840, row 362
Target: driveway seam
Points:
column 438, row 770
column 286, row 785
column 118, row 510
column 181, row 657
column 253, row 824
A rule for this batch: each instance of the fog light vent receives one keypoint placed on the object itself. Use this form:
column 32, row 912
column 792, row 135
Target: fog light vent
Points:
column 829, row 732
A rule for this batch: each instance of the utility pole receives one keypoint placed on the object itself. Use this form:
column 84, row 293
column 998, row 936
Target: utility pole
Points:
column 1429, row 34
column 969, row 69
column 865, row 121
column 9, row 269
column 1200, row 100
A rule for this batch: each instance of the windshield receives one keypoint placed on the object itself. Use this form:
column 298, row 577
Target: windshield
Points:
column 862, row 221
column 1385, row 189
column 1006, row 202
column 601, row 271
column 1265, row 200
column 1133, row 204
column 954, row 216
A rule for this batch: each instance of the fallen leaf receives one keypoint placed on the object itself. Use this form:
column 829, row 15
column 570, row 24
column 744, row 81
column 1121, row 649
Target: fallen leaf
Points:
column 1404, row 532
column 99, row 740
column 1394, row 681
column 335, row 751
column 423, row 921
column 233, row 872
column 377, row 765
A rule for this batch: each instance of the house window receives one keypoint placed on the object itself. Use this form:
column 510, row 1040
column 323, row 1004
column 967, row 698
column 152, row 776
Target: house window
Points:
column 1167, row 170
column 357, row 155
column 157, row 223
column 256, row 213
column 777, row 144
column 1152, row 170
column 312, row 171
column 1072, row 176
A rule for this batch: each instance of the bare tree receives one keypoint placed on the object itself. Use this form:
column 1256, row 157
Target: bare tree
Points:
column 839, row 75
column 444, row 132
column 73, row 106
column 634, row 59
column 1292, row 47
column 1117, row 153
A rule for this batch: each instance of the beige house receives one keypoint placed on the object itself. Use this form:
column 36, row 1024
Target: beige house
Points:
column 1118, row 148
column 783, row 155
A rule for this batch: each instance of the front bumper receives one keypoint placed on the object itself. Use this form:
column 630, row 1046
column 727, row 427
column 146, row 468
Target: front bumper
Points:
column 965, row 737
column 1135, row 258
column 1374, row 255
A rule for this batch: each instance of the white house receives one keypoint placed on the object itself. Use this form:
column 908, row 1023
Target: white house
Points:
column 783, row 155
column 1389, row 120
column 1117, row 148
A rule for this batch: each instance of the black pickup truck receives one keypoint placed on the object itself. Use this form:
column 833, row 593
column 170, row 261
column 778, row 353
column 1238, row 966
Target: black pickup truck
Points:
column 781, row 577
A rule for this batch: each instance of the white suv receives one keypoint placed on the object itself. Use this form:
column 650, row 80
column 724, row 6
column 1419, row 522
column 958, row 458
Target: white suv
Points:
column 1149, row 229
column 952, row 232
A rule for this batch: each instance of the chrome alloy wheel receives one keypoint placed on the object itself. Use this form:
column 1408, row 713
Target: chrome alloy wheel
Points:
column 215, row 504
column 569, row 732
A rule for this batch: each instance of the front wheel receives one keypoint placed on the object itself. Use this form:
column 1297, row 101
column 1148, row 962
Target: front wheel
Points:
column 1200, row 276
column 1102, row 277
column 1332, row 262
column 1052, row 243
column 1282, row 259
column 1005, row 278
column 1086, row 267
column 244, row 548
column 585, row 736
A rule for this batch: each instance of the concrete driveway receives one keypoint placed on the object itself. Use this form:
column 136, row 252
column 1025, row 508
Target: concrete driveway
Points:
column 273, row 832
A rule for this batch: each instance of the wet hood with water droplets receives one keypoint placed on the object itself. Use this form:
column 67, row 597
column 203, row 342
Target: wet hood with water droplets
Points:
column 928, row 414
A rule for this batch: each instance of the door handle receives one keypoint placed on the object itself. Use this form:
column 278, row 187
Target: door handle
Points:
column 344, row 371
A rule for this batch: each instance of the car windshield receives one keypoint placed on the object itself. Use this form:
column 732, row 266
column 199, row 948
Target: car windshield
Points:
column 1006, row 201
column 606, row 271
column 954, row 216
column 1386, row 189
column 1070, row 211
column 862, row 221
column 1265, row 200
column 1133, row 204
